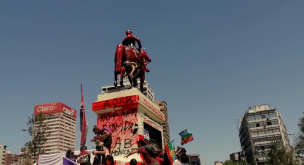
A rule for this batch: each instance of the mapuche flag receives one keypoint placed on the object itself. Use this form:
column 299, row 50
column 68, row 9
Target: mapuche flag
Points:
column 170, row 151
column 83, row 121
column 186, row 136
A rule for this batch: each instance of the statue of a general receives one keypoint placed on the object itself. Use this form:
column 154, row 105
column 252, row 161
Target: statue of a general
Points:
column 131, row 61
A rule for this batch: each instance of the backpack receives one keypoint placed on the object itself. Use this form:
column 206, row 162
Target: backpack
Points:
column 152, row 150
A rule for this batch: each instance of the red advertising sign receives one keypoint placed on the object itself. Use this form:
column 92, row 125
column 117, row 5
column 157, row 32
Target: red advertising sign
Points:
column 117, row 102
column 53, row 108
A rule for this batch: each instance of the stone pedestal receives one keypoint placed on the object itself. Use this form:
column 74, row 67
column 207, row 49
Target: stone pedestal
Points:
column 130, row 116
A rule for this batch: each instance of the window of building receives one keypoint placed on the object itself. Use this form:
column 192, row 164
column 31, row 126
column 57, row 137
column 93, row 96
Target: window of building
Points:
column 272, row 115
column 252, row 125
column 258, row 117
column 262, row 124
column 261, row 132
column 254, row 133
column 250, row 118
column 274, row 122
column 268, row 131
column 257, row 124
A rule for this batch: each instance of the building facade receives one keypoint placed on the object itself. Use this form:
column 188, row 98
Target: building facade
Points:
column 164, row 109
column 61, row 121
column 148, row 92
column 11, row 159
column 2, row 153
column 259, row 126
column 194, row 159
column 20, row 158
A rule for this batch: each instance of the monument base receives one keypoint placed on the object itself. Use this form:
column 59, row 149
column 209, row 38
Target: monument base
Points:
column 131, row 117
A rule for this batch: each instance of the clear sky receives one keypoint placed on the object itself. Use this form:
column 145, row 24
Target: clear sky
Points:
column 211, row 60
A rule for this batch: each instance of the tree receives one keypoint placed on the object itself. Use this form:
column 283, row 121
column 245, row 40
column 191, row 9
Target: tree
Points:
column 300, row 137
column 230, row 162
column 279, row 154
column 38, row 131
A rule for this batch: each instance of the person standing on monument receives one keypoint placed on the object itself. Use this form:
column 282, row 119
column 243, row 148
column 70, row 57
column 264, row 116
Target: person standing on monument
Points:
column 149, row 160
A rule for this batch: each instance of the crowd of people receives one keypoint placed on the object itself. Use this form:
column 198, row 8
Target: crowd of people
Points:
column 103, row 140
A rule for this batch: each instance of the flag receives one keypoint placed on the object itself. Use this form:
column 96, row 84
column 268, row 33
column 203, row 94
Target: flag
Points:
column 170, row 151
column 66, row 161
column 186, row 136
column 146, row 135
column 83, row 121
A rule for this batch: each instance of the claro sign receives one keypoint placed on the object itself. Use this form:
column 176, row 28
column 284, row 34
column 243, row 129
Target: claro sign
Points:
column 53, row 108
column 46, row 108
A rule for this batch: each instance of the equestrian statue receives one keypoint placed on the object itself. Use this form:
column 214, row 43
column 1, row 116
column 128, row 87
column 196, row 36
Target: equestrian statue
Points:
column 131, row 61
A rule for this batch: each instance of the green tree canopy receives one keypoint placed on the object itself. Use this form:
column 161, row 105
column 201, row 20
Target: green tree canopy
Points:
column 279, row 154
column 38, row 132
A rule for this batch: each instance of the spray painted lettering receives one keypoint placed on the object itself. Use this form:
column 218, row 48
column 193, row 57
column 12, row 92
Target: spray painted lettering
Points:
column 152, row 108
column 117, row 102
column 109, row 115
column 123, row 124
column 122, row 148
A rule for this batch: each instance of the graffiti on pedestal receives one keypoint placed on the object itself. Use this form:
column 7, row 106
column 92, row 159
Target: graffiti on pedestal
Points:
column 124, row 126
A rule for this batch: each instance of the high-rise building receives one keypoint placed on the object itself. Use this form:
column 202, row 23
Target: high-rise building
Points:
column 61, row 121
column 259, row 126
column 148, row 92
column 166, row 131
column 2, row 153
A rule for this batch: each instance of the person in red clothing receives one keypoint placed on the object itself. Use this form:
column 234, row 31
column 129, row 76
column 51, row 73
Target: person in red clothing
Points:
column 84, row 156
column 149, row 160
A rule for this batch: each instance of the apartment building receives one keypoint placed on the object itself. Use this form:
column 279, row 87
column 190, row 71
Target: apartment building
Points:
column 258, row 127
column 11, row 159
column 2, row 153
column 166, row 131
column 20, row 157
column 148, row 92
column 61, row 121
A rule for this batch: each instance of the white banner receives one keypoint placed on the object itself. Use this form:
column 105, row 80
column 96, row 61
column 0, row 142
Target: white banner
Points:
column 52, row 159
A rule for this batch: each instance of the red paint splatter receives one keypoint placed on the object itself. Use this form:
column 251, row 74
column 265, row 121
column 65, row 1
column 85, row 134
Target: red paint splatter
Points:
column 121, row 123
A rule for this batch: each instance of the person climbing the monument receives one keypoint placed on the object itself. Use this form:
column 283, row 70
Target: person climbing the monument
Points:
column 149, row 160
column 133, row 65
column 106, row 135
column 130, row 41
column 101, row 152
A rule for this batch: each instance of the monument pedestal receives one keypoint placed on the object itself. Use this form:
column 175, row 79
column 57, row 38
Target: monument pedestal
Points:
column 131, row 117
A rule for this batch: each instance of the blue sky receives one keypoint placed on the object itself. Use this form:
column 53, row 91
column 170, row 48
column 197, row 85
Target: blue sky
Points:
column 211, row 60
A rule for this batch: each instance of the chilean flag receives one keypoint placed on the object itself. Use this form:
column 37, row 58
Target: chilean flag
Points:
column 83, row 121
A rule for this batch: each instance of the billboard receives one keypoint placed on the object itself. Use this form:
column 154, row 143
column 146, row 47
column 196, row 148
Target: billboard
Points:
column 53, row 108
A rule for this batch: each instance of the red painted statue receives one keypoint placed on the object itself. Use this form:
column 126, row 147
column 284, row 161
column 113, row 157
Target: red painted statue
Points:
column 130, row 60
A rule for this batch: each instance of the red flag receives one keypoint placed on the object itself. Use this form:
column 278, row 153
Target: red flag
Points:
column 83, row 121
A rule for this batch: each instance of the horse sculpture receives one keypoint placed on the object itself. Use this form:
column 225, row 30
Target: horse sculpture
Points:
column 125, row 55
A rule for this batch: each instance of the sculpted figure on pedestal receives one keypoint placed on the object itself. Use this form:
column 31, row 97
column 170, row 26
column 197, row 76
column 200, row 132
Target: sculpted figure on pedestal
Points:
column 131, row 60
